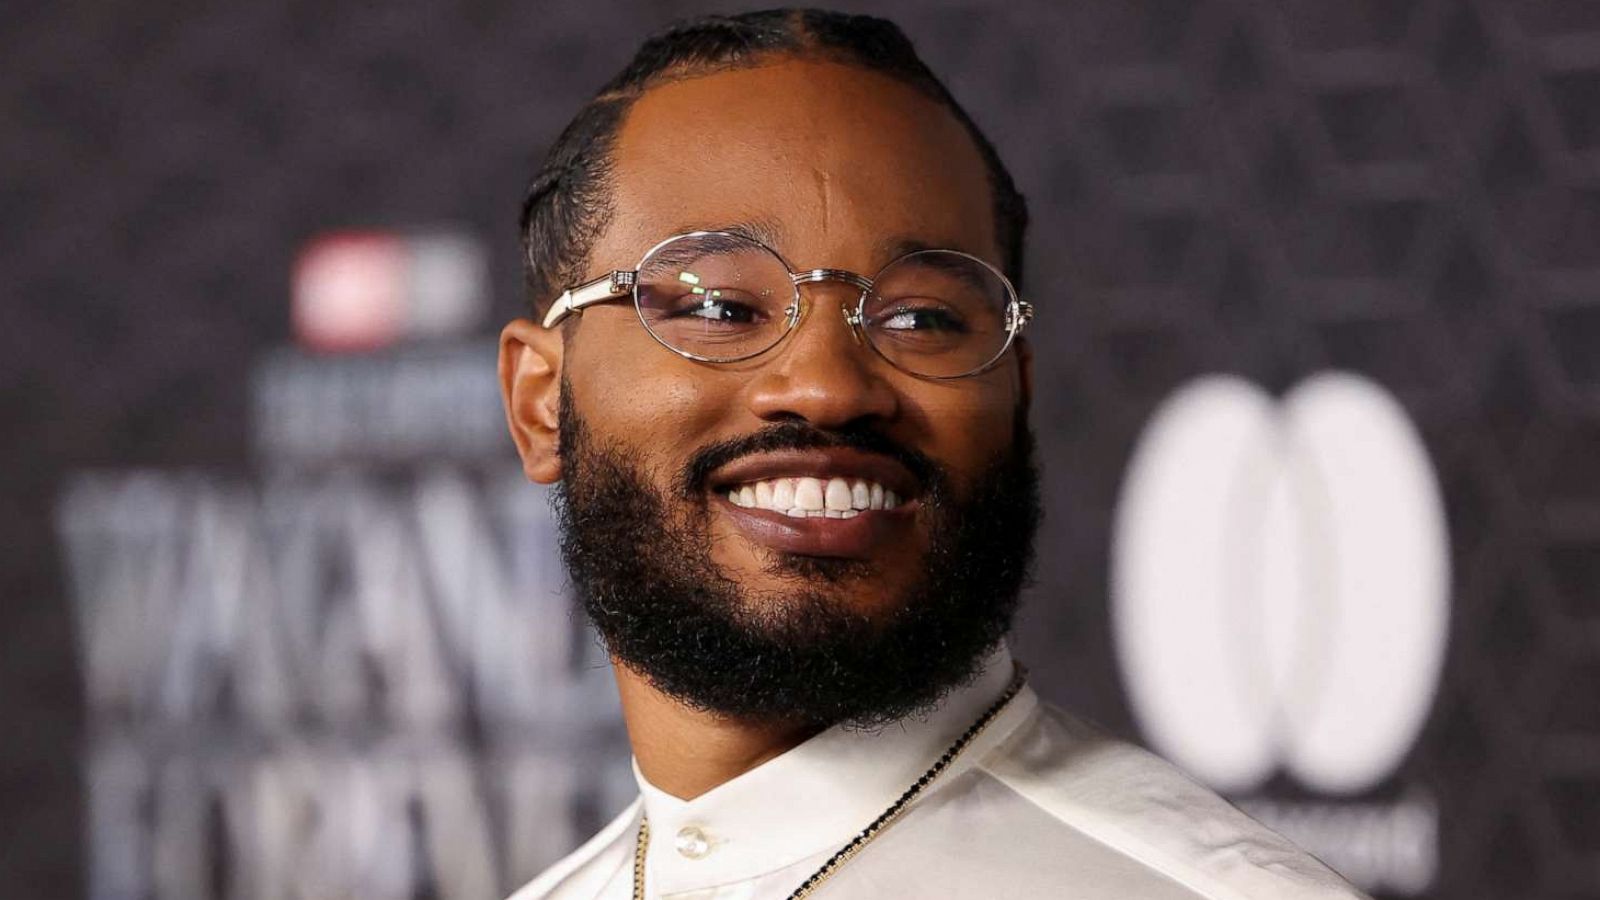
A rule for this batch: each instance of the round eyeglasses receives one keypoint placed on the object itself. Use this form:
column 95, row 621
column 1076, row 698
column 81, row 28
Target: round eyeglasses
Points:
column 720, row 297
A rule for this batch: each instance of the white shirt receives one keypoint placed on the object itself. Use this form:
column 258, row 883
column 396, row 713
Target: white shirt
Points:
column 1039, row 805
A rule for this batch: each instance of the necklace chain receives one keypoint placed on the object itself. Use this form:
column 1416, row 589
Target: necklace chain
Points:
column 884, row 819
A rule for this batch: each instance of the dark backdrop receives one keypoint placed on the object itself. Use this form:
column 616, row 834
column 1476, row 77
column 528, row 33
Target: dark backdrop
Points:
column 1407, row 189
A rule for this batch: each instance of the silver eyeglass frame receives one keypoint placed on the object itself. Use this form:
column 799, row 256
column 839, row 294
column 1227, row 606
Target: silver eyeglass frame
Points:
column 624, row 284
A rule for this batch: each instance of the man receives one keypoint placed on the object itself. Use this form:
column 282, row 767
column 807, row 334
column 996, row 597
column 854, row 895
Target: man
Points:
column 776, row 367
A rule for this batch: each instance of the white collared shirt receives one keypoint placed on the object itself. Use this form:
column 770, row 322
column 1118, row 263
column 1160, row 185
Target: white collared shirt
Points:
column 1039, row 805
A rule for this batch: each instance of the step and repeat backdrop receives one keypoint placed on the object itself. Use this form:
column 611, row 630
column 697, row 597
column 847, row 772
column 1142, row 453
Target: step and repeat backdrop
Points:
column 1318, row 405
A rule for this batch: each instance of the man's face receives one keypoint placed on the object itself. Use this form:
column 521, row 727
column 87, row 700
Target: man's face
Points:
column 845, row 164
column 844, row 168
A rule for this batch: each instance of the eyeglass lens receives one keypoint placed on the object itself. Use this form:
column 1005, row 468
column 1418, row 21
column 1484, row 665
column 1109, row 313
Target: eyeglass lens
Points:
column 721, row 297
column 937, row 313
column 718, row 297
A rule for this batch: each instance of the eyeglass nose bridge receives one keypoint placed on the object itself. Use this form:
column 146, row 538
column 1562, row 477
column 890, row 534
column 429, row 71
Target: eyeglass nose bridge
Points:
column 852, row 316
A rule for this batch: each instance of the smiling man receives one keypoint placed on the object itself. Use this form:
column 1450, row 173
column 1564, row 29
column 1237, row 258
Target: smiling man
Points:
column 776, row 366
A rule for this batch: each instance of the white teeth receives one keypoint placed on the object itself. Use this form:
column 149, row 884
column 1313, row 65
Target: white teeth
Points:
column 808, row 493
column 838, row 494
column 796, row 513
column 782, row 494
column 805, row 496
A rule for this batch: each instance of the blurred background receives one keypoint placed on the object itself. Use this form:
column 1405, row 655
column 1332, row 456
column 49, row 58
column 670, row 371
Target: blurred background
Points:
column 1318, row 404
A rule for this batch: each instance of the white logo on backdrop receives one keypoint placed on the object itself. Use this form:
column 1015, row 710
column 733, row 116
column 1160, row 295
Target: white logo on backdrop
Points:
column 1281, row 582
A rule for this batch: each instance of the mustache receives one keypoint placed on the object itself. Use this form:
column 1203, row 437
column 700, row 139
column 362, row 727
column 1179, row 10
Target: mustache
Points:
column 793, row 435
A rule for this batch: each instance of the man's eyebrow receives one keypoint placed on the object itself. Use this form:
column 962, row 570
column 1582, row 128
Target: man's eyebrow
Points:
column 896, row 246
column 762, row 231
column 770, row 233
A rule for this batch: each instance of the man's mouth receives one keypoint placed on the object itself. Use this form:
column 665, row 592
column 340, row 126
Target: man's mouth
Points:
column 806, row 497
column 836, row 502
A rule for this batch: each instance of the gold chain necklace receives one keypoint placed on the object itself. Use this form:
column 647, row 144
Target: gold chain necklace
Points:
column 884, row 819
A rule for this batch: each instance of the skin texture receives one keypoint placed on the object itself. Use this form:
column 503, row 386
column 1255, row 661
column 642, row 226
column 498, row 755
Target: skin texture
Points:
column 844, row 165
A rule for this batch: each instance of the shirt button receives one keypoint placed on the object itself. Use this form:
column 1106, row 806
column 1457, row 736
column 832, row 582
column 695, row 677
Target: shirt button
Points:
column 692, row 843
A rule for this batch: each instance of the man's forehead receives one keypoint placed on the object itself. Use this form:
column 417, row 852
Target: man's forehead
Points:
column 800, row 155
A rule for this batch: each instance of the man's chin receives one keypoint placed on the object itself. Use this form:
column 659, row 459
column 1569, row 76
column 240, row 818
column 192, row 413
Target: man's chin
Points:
column 830, row 570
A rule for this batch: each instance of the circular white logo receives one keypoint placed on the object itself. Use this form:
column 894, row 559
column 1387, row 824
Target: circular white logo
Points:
column 1280, row 582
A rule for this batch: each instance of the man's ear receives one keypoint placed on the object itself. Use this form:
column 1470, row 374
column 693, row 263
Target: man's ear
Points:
column 530, row 385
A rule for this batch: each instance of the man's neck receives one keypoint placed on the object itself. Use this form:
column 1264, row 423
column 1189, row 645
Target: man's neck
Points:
column 687, row 752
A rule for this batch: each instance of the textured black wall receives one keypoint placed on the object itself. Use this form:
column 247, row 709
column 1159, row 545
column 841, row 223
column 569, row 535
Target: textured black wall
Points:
column 1408, row 189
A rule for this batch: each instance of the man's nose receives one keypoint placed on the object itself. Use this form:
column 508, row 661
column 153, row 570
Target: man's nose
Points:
column 822, row 373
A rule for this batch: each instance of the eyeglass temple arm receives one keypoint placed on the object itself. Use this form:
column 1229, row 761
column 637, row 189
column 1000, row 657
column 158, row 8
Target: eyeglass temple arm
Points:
column 607, row 287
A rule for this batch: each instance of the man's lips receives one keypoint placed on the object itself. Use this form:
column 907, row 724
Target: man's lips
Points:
column 848, row 529
column 824, row 464
column 860, row 537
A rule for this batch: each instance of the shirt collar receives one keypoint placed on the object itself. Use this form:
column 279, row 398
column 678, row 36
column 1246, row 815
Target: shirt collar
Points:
column 817, row 795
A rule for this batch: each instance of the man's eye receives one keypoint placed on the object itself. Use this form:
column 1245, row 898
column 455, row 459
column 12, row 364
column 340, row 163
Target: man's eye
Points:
column 717, row 306
column 922, row 318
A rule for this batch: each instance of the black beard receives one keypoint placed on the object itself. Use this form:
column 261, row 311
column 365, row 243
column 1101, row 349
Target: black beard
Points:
column 640, row 564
